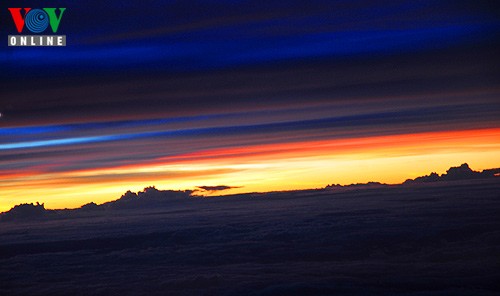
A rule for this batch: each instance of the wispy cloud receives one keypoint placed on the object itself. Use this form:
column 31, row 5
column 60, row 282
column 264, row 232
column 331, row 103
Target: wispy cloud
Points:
column 217, row 188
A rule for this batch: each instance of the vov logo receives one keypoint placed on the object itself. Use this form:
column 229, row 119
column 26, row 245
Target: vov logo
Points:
column 37, row 21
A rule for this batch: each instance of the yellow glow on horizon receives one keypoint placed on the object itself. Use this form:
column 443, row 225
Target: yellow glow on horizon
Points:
column 284, row 166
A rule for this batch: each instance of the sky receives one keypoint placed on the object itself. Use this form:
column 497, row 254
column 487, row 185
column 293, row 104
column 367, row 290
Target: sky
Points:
column 246, row 95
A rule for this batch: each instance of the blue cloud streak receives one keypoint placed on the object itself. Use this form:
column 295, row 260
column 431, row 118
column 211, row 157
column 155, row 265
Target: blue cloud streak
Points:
column 429, row 116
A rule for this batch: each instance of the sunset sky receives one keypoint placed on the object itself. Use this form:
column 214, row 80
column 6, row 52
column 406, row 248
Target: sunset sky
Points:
column 254, row 95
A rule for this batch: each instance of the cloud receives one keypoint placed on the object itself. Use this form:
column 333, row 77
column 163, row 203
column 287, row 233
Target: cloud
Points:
column 25, row 212
column 463, row 172
column 216, row 188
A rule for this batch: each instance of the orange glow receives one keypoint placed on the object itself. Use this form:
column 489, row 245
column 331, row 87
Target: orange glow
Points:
column 281, row 166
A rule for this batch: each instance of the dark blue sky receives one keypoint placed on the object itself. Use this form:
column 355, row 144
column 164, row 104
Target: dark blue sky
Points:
column 185, row 36
column 127, row 59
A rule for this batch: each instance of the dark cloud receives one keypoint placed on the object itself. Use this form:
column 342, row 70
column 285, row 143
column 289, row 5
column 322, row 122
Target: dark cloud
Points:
column 216, row 188
column 359, row 242
column 459, row 173
column 25, row 212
